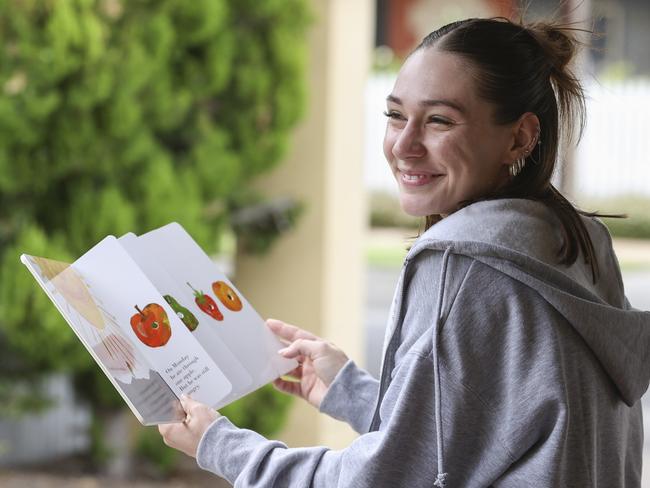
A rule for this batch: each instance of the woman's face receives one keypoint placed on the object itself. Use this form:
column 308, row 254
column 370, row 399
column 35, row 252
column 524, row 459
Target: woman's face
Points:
column 441, row 142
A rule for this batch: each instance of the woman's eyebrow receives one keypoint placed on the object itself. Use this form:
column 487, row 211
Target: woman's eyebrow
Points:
column 431, row 103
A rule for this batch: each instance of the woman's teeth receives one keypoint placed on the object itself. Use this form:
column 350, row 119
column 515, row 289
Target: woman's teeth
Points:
column 414, row 177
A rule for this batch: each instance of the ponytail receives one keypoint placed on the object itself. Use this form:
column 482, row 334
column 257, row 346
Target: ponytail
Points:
column 560, row 46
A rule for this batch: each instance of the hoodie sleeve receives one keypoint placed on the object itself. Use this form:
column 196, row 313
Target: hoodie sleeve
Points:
column 247, row 459
column 399, row 454
column 352, row 397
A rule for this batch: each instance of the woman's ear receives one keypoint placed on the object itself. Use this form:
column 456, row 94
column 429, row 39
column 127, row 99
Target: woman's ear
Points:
column 525, row 134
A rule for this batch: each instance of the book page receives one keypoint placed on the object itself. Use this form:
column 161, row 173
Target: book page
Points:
column 181, row 298
column 150, row 324
column 142, row 388
column 218, row 304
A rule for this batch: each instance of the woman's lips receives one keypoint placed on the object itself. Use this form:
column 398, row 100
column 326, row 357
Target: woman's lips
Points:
column 413, row 179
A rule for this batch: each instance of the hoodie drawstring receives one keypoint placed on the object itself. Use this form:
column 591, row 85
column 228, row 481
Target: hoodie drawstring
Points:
column 441, row 476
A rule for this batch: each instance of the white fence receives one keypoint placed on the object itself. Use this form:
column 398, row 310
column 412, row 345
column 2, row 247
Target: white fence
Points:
column 613, row 157
column 377, row 175
column 56, row 432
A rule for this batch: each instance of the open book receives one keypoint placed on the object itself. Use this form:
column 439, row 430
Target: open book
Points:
column 161, row 320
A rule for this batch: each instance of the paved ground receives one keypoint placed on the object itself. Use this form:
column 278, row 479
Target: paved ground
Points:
column 70, row 473
column 381, row 282
column 49, row 480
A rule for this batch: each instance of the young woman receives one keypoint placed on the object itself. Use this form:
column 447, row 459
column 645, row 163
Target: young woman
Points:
column 512, row 357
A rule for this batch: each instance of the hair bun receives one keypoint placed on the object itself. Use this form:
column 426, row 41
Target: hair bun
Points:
column 557, row 42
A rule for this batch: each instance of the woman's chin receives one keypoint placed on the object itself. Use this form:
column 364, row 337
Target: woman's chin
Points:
column 415, row 207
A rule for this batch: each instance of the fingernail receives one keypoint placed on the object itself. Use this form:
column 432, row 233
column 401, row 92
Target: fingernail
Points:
column 283, row 351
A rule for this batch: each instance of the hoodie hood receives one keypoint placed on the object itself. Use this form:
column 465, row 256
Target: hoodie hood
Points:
column 521, row 238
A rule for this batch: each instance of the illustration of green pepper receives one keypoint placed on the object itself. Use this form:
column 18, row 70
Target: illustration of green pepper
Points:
column 183, row 313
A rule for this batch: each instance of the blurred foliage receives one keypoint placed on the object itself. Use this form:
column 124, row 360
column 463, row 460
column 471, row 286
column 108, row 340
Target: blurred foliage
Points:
column 636, row 207
column 153, row 454
column 246, row 411
column 99, row 452
column 257, row 225
column 619, row 71
column 123, row 116
column 18, row 398
column 385, row 211
column 384, row 60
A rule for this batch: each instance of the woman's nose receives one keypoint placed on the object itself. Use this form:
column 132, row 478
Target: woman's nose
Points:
column 409, row 143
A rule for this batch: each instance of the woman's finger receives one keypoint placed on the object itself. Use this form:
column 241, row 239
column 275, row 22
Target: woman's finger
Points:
column 289, row 387
column 295, row 373
column 302, row 347
column 288, row 332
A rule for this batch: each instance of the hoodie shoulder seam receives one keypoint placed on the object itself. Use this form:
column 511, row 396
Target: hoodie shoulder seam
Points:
column 460, row 287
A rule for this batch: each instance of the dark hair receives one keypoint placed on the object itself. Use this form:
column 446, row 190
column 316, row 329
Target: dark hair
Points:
column 523, row 69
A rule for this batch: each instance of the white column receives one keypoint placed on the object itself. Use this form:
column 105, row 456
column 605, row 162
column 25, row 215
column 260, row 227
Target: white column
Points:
column 313, row 277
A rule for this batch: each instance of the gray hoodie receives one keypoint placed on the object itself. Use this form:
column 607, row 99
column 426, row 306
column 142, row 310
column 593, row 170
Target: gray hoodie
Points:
column 501, row 368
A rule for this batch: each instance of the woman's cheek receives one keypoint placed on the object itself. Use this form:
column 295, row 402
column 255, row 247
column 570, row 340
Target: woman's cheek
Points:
column 389, row 142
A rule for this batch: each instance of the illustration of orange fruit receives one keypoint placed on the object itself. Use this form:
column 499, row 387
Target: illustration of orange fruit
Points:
column 227, row 296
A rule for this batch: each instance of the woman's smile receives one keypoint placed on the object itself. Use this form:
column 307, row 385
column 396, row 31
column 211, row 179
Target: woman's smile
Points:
column 416, row 179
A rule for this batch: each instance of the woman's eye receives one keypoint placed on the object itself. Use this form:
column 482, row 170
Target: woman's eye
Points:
column 393, row 115
column 439, row 120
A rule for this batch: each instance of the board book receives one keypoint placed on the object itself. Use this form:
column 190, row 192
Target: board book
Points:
column 161, row 320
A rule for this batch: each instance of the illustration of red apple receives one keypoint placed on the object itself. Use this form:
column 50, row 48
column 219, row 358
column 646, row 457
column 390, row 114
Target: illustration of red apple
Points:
column 151, row 325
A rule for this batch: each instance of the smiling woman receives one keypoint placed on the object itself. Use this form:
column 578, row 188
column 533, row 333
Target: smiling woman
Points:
column 512, row 356
column 441, row 140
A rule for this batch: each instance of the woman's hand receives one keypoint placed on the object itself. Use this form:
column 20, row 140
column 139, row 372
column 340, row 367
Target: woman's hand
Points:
column 186, row 436
column 320, row 361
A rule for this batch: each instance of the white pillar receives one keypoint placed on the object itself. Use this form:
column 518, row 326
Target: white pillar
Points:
column 580, row 14
column 313, row 277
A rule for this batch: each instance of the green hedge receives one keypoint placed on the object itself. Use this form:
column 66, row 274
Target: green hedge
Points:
column 637, row 209
column 122, row 116
column 385, row 211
